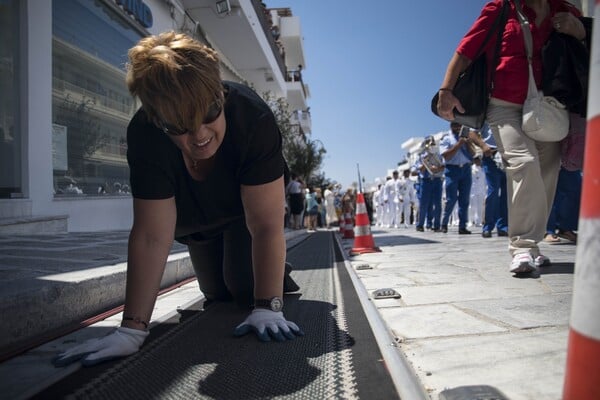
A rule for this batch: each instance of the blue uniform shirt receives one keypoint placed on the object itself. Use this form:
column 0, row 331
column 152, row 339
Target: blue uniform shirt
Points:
column 461, row 157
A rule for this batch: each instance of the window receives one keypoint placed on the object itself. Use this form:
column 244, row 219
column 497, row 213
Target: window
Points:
column 91, row 106
column 10, row 127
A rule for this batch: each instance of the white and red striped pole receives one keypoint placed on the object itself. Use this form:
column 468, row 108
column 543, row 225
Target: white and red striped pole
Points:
column 582, row 377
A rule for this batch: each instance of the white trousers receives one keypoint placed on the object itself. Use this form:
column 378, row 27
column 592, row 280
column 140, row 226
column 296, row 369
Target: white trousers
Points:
column 476, row 208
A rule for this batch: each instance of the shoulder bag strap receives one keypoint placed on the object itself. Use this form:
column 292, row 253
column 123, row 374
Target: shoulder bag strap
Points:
column 490, row 32
column 502, row 21
column 526, row 28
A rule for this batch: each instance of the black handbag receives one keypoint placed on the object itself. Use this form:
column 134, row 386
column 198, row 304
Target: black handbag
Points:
column 565, row 69
column 474, row 85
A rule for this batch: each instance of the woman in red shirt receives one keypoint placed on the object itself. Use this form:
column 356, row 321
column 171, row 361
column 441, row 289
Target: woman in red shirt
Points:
column 531, row 166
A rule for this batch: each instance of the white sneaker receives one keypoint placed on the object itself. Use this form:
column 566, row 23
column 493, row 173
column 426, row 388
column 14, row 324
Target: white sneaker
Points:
column 522, row 262
column 542, row 261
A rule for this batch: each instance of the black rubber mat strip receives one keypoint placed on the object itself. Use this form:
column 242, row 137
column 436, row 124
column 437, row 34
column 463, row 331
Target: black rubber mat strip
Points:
column 198, row 357
column 406, row 382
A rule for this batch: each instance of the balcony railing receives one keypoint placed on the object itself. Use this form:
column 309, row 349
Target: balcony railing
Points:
column 295, row 75
column 261, row 13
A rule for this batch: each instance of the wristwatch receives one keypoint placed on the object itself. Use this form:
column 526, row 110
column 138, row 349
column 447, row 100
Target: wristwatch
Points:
column 273, row 304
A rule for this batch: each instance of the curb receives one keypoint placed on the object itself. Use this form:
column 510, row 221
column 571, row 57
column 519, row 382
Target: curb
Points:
column 63, row 301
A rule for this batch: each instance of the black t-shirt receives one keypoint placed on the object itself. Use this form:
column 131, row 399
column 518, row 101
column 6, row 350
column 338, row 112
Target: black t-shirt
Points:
column 250, row 154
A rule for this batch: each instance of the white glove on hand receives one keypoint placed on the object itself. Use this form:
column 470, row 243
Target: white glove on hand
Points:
column 268, row 324
column 120, row 343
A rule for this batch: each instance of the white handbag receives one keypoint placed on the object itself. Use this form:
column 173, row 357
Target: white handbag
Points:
column 545, row 119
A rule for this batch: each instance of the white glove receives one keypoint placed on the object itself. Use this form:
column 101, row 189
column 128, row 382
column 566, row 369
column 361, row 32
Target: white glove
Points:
column 266, row 324
column 120, row 343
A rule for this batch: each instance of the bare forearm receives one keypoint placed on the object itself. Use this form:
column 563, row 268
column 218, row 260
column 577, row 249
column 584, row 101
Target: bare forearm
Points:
column 264, row 218
column 447, row 102
column 479, row 142
column 456, row 66
column 147, row 257
column 268, row 258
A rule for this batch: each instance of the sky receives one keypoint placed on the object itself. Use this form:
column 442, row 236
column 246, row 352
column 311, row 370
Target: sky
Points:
column 372, row 68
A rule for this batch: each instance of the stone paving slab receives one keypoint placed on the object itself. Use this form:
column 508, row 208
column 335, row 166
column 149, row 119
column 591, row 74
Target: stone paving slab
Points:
column 436, row 320
column 524, row 365
column 447, row 293
column 525, row 312
column 464, row 319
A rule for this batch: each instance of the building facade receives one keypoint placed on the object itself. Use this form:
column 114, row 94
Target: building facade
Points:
column 64, row 105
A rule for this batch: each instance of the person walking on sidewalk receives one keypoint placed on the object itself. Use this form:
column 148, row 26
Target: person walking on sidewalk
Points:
column 391, row 201
column 564, row 215
column 430, row 169
column 495, row 214
column 206, row 169
column 457, row 151
column 406, row 194
column 330, row 213
column 378, row 201
column 295, row 201
column 531, row 166
column 478, row 190
column 311, row 210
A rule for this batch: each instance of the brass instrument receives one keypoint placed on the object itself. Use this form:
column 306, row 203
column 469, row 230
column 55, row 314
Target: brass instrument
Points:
column 430, row 157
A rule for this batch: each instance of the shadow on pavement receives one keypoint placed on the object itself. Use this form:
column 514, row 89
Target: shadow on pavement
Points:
column 558, row 268
column 401, row 240
column 201, row 357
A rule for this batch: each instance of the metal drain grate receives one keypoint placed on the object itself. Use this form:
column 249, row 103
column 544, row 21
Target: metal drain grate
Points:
column 387, row 293
column 479, row 392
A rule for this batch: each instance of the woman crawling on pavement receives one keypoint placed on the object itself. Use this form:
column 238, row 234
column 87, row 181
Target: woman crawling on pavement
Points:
column 206, row 169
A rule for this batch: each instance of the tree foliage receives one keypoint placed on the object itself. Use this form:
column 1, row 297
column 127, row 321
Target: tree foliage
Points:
column 304, row 156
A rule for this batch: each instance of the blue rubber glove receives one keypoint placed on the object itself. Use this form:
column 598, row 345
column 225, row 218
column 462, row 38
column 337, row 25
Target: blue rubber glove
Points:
column 268, row 324
column 120, row 343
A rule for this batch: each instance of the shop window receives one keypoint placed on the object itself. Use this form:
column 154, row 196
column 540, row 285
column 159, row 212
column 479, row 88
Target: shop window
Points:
column 10, row 128
column 91, row 106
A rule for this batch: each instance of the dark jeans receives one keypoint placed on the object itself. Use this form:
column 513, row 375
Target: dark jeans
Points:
column 565, row 209
column 496, row 204
column 223, row 264
column 458, row 188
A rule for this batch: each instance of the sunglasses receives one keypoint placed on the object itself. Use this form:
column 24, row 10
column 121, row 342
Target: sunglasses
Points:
column 214, row 110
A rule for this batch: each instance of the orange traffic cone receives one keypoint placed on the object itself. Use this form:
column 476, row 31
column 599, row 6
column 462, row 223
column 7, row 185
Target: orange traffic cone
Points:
column 363, row 242
column 348, row 231
column 341, row 223
column 583, row 351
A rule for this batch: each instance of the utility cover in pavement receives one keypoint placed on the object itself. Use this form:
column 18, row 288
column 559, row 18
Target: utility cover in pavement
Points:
column 386, row 293
column 363, row 266
column 480, row 392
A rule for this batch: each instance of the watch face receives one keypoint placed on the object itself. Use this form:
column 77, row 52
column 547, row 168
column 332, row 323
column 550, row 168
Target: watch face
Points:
column 276, row 304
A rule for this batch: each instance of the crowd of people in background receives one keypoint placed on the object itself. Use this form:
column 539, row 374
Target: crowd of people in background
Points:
column 500, row 177
column 459, row 181
column 311, row 207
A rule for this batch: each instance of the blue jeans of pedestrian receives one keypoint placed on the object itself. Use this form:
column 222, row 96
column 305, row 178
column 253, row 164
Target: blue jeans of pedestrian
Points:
column 430, row 202
column 458, row 188
column 496, row 205
column 564, row 214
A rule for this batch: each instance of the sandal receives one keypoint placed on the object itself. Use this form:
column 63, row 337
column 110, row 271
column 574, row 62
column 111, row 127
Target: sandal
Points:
column 568, row 235
column 551, row 238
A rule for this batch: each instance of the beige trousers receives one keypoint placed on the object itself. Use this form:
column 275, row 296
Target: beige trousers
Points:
column 531, row 174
